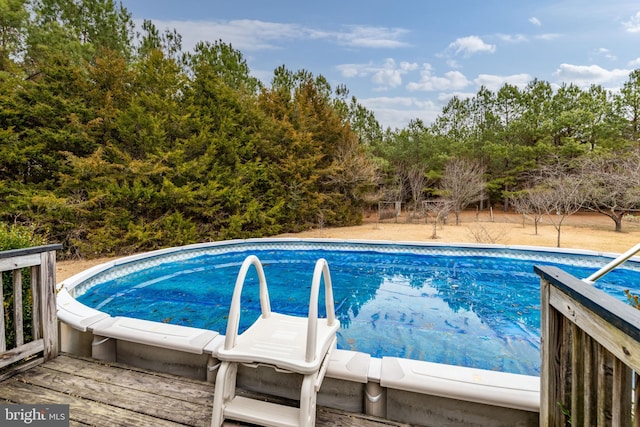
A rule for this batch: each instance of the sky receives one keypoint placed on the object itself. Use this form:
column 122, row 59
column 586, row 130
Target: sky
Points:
column 404, row 60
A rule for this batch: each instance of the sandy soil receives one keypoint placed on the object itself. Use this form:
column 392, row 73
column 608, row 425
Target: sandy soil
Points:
column 580, row 231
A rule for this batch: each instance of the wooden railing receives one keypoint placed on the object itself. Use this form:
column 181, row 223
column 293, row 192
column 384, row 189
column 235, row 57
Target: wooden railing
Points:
column 39, row 301
column 590, row 351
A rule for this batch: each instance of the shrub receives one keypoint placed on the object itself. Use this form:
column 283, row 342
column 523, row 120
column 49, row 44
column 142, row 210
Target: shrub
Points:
column 17, row 237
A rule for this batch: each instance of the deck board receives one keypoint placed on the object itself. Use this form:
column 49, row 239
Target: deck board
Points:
column 118, row 395
column 83, row 411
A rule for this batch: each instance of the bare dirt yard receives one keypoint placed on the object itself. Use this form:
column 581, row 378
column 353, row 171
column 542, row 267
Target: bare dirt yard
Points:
column 580, row 231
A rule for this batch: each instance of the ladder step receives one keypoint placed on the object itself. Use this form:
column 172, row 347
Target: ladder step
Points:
column 262, row 413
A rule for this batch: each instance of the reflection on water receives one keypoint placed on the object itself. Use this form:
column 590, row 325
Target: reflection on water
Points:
column 420, row 323
column 462, row 310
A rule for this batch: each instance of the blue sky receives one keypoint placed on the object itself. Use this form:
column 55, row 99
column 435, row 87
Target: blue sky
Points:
column 404, row 60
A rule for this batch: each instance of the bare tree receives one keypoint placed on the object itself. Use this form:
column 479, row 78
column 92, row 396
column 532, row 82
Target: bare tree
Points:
column 531, row 202
column 614, row 185
column 482, row 235
column 561, row 194
column 462, row 184
column 417, row 179
column 397, row 189
column 438, row 209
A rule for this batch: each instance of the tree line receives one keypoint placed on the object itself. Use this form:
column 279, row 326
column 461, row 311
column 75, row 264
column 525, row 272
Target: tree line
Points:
column 114, row 140
column 522, row 149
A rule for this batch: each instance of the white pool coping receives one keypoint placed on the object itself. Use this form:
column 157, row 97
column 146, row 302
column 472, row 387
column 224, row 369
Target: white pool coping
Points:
column 462, row 383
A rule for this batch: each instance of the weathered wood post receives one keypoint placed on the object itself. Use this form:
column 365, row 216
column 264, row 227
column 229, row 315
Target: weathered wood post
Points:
column 47, row 279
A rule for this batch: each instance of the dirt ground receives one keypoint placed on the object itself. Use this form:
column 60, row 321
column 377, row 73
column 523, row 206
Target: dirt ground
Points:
column 581, row 231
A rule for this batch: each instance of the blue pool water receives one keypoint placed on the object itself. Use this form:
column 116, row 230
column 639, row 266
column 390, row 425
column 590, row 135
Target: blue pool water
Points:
column 468, row 310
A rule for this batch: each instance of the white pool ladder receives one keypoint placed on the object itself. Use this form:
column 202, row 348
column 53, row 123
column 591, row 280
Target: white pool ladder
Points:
column 283, row 342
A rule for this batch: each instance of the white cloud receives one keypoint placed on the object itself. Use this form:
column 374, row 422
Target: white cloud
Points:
column 634, row 63
column 397, row 112
column 243, row 34
column 389, row 75
column 355, row 70
column 451, row 80
column 547, row 36
column 633, row 24
column 452, row 63
column 385, row 76
column 585, row 75
column 470, row 45
column 494, row 82
column 535, row 21
column 513, row 38
column 604, row 52
column 369, row 37
column 252, row 35
column 446, row 97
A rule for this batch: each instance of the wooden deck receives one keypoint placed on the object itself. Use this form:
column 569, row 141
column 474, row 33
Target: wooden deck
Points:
column 113, row 394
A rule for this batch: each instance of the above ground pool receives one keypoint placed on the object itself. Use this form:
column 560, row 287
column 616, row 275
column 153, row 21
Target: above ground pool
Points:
column 473, row 305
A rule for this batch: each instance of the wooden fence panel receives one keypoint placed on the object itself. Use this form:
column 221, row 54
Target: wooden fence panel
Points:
column 590, row 350
column 43, row 338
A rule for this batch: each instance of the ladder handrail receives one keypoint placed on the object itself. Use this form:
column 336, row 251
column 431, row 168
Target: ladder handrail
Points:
column 321, row 270
column 233, row 323
column 613, row 264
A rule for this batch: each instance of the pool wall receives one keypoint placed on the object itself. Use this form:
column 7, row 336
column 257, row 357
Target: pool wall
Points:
column 398, row 389
column 354, row 382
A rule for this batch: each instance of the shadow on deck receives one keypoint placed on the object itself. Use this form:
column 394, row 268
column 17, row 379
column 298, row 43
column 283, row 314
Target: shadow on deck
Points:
column 118, row 395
